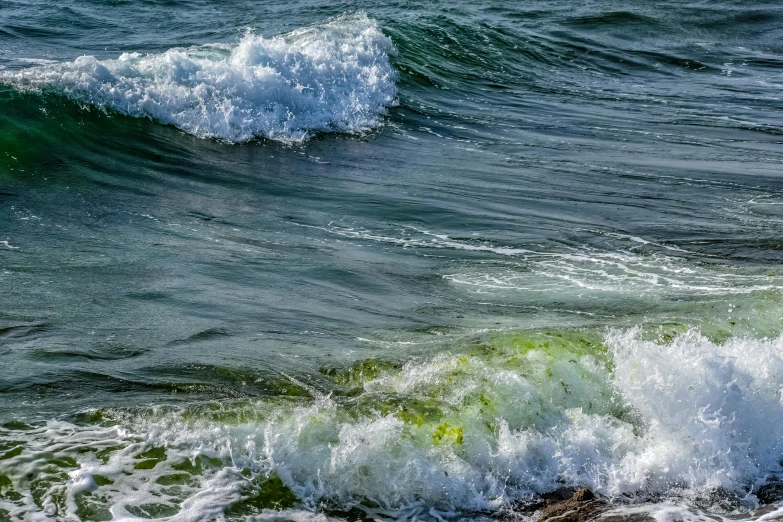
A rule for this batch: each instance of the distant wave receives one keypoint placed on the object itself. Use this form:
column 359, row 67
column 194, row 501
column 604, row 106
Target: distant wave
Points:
column 332, row 77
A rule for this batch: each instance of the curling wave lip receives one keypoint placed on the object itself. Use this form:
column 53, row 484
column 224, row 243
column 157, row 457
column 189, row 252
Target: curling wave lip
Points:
column 331, row 77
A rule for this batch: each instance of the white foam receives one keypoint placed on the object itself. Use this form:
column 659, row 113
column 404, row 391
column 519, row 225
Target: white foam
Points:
column 37, row 61
column 671, row 420
column 662, row 512
column 713, row 411
column 429, row 240
column 653, row 272
column 709, row 416
column 333, row 77
column 619, row 272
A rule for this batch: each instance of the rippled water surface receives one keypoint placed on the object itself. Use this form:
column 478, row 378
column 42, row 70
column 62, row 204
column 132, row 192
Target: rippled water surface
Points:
column 265, row 260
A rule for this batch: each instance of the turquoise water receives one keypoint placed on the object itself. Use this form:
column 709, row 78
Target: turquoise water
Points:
column 306, row 260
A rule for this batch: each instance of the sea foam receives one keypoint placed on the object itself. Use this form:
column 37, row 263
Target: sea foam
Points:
column 332, row 77
column 458, row 434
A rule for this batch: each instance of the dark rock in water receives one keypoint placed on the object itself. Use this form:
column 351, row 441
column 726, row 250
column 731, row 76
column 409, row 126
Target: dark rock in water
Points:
column 629, row 517
column 527, row 508
column 769, row 493
column 582, row 495
column 718, row 500
column 569, row 505
column 582, row 506
column 561, row 494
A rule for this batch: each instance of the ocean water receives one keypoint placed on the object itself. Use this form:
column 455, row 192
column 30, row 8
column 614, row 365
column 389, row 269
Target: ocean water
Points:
column 321, row 261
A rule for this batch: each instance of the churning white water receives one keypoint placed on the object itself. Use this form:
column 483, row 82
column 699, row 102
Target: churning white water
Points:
column 333, row 77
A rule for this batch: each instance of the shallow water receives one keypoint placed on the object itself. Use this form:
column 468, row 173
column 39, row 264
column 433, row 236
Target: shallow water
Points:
column 306, row 260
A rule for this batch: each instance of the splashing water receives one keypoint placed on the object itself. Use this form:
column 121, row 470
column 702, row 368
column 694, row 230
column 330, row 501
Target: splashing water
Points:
column 629, row 415
column 333, row 77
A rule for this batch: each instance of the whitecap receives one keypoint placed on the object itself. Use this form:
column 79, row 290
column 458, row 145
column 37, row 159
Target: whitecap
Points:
column 331, row 77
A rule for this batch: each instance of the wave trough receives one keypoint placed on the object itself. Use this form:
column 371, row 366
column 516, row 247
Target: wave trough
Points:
column 332, row 77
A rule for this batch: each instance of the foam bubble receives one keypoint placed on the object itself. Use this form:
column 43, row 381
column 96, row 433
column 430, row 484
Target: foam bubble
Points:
column 632, row 266
column 514, row 416
column 333, row 77
column 713, row 411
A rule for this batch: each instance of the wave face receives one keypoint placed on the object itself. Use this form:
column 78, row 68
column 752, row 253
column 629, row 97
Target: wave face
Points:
column 333, row 77
column 632, row 414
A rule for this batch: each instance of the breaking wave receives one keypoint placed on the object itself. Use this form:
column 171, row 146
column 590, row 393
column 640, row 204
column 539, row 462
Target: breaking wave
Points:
column 332, row 77
column 633, row 414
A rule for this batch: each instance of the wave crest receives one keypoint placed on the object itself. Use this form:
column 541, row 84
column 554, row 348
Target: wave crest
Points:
column 333, row 77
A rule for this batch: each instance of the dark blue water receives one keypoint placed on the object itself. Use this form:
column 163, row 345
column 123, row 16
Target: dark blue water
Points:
column 324, row 253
